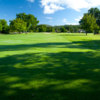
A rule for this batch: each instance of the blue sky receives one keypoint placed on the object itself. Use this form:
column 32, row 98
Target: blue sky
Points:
column 52, row 12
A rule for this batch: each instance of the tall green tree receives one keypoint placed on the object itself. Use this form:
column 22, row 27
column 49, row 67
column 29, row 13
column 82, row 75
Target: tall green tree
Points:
column 88, row 23
column 30, row 20
column 4, row 25
column 17, row 25
column 96, row 13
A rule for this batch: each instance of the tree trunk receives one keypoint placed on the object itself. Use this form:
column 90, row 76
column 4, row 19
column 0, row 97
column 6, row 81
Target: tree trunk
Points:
column 86, row 33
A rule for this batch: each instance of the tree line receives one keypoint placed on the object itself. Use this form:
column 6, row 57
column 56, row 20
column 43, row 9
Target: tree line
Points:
column 24, row 23
column 91, row 21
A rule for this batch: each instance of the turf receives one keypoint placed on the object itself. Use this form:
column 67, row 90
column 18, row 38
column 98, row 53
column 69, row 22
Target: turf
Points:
column 49, row 67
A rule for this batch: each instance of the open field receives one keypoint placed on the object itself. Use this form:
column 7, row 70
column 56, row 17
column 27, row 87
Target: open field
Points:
column 50, row 67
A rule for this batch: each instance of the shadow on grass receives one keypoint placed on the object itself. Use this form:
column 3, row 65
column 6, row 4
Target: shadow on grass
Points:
column 50, row 76
column 93, row 45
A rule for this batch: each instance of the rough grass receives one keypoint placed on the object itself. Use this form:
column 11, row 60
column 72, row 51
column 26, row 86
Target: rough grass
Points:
column 49, row 67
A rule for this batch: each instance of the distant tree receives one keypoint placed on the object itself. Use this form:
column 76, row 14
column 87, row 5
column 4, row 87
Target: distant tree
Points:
column 88, row 23
column 7, row 29
column 17, row 25
column 71, row 29
column 63, row 29
column 53, row 29
column 49, row 29
column 57, row 29
column 41, row 28
column 4, row 25
column 30, row 20
column 96, row 13
column 68, row 28
column 0, row 27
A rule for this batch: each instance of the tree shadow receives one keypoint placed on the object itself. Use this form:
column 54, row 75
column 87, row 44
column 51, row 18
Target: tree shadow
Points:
column 50, row 76
column 28, row 46
column 93, row 45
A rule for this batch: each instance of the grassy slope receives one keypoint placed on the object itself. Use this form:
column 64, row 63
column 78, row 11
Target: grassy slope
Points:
column 49, row 67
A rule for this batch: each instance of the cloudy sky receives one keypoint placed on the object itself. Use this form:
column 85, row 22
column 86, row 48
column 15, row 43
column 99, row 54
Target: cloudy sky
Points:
column 53, row 12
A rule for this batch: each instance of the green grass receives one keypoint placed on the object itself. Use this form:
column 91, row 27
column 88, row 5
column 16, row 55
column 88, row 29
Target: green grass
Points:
column 50, row 67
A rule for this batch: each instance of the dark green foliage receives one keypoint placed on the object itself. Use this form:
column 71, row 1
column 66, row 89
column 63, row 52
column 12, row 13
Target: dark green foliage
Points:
column 4, row 28
column 88, row 23
column 17, row 25
column 32, row 24
column 53, row 29
column 7, row 30
column 63, row 29
column 22, row 16
column 44, row 28
column 30, row 19
column 41, row 28
column 0, row 27
column 68, row 28
column 58, row 30
column 49, row 29
column 95, row 12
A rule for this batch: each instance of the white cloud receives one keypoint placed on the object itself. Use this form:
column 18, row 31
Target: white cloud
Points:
column 65, row 21
column 31, row 1
column 78, row 19
column 51, row 6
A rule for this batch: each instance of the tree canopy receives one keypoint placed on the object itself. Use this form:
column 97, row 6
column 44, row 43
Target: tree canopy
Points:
column 96, row 13
column 63, row 29
column 17, row 25
column 4, row 26
column 30, row 20
column 88, row 23
column 41, row 28
column 91, row 21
